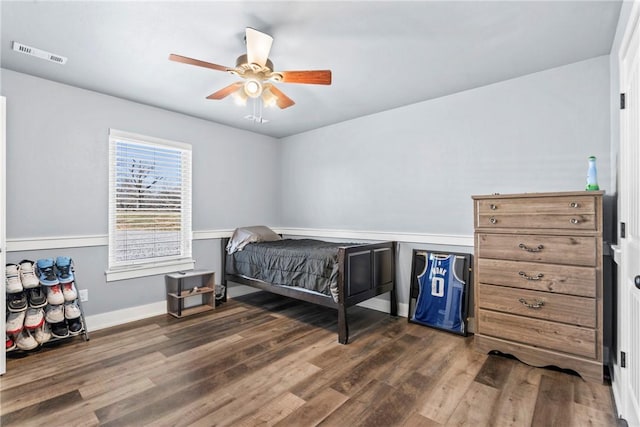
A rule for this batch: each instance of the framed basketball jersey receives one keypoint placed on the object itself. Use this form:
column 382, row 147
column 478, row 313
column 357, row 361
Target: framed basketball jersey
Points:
column 439, row 290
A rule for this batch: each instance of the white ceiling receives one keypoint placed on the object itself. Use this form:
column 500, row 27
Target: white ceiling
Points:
column 383, row 54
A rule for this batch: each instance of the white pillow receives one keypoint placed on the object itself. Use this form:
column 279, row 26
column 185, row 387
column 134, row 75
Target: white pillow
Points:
column 244, row 235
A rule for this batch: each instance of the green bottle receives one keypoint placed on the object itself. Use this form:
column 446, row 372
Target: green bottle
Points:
column 592, row 175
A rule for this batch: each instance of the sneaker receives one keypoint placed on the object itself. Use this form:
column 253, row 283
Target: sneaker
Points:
column 75, row 326
column 59, row 330
column 54, row 295
column 54, row 314
column 36, row 297
column 15, row 322
column 34, row 318
column 10, row 344
column 28, row 274
column 43, row 333
column 14, row 285
column 69, row 291
column 64, row 266
column 17, row 302
column 26, row 341
column 71, row 310
column 46, row 272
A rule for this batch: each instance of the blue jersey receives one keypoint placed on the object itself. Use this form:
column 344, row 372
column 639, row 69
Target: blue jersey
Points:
column 439, row 300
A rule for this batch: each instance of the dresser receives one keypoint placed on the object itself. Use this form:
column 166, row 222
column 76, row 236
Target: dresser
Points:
column 538, row 278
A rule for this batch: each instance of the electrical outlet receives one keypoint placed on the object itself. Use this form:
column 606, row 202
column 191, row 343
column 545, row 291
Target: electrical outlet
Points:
column 84, row 295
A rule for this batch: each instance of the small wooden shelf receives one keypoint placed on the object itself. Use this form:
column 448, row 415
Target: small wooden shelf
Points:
column 192, row 292
column 196, row 283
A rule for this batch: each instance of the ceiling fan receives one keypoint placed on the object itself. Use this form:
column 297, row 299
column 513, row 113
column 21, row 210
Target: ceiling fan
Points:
column 256, row 69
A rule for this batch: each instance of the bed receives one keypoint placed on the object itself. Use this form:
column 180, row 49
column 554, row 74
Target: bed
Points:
column 336, row 275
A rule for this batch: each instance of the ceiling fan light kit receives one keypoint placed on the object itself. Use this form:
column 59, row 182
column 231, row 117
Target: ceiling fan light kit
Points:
column 253, row 88
column 240, row 98
column 257, row 70
column 268, row 98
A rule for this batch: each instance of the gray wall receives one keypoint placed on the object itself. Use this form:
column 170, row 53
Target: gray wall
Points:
column 57, row 160
column 414, row 169
column 57, row 177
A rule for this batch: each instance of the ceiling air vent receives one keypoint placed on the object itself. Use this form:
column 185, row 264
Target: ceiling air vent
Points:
column 38, row 53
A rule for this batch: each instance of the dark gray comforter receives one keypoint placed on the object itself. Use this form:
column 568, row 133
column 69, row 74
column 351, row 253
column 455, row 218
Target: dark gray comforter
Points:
column 305, row 263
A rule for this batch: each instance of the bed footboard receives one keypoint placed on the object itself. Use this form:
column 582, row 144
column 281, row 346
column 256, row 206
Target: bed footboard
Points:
column 365, row 271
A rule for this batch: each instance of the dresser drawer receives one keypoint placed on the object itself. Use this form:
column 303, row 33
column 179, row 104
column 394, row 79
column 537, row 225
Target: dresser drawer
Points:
column 539, row 333
column 563, row 205
column 567, row 212
column 570, row 250
column 563, row 279
column 547, row 221
column 579, row 311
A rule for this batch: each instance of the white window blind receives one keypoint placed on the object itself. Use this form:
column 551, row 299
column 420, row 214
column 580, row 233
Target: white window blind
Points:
column 149, row 200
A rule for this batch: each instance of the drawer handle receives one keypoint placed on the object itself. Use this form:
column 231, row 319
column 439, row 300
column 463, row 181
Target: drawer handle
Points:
column 536, row 277
column 535, row 305
column 493, row 207
column 528, row 249
column 492, row 220
column 574, row 221
column 574, row 205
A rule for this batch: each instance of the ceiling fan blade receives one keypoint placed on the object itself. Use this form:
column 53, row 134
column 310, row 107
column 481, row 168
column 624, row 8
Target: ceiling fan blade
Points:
column 258, row 46
column 225, row 91
column 315, row 77
column 191, row 61
column 282, row 100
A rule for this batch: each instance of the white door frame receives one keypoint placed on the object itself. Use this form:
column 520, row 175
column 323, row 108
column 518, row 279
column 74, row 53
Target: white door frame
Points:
column 626, row 387
column 3, row 216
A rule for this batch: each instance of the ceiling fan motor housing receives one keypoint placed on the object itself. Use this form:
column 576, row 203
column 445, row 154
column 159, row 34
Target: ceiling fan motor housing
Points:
column 254, row 74
column 243, row 62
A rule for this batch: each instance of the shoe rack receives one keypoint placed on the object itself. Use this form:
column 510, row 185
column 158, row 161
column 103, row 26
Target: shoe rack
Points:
column 32, row 337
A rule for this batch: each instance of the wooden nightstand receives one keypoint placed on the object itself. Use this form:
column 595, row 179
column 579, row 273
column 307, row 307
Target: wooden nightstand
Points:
column 195, row 283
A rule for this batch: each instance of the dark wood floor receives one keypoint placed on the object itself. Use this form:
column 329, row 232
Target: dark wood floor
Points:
column 261, row 359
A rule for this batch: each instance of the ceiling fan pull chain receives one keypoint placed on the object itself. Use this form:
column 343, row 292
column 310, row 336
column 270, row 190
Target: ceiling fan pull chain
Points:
column 257, row 111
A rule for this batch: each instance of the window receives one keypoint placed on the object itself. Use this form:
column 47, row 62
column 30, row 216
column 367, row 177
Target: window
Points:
column 149, row 206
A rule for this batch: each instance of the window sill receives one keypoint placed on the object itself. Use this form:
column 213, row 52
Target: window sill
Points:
column 133, row 272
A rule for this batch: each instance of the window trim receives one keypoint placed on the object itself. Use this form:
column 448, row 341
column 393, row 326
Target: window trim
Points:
column 157, row 266
column 132, row 272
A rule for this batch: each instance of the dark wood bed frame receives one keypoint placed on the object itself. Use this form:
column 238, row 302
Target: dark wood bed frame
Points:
column 365, row 271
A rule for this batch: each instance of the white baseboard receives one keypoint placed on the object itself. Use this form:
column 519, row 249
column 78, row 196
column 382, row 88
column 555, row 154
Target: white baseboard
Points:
column 617, row 398
column 126, row 315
